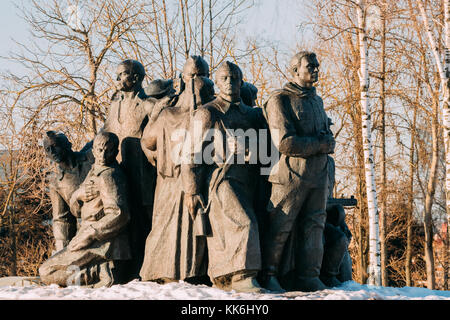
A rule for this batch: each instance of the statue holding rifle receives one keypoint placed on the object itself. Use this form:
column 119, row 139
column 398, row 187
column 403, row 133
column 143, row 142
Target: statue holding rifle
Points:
column 229, row 184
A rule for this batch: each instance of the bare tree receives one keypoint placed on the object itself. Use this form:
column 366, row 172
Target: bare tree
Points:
column 67, row 84
column 374, row 240
column 68, row 57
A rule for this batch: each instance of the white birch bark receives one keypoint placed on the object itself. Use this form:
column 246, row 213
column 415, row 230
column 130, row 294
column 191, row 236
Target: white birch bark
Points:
column 444, row 74
column 443, row 70
column 374, row 238
column 446, row 120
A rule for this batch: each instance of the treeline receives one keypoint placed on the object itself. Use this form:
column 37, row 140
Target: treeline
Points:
column 69, row 66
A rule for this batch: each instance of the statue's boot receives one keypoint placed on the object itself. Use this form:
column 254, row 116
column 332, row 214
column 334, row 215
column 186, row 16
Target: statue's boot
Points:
column 246, row 282
column 270, row 282
column 330, row 281
column 309, row 284
column 106, row 275
column 166, row 280
column 222, row 282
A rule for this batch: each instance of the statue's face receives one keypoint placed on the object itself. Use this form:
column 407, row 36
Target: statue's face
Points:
column 228, row 82
column 54, row 151
column 192, row 72
column 103, row 152
column 307, row 71
column 126, row 79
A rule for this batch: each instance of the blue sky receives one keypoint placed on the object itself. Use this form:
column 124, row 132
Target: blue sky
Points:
column 277, row 19
column 11, row 26
column 274, row 19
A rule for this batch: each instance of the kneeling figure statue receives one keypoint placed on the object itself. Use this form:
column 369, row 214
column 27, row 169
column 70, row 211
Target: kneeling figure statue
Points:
column 95, row 255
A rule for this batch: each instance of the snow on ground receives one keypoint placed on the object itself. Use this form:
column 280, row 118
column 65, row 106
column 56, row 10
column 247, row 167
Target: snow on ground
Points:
column 137, row 290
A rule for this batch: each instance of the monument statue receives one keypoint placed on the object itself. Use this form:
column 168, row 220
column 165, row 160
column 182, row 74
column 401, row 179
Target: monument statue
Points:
column 159, row 89
column 171, row 188
column 173, row 251
column 128, row 115
column 72, row 168
column 94, row 257
column 337, row 263
column 249, row 94
column 233, row 245
column 299, row 180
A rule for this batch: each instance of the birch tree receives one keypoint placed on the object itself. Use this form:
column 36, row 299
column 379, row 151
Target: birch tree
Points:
column 374, row 240
column 383, row 174
column 443, row 70
column 446, row 118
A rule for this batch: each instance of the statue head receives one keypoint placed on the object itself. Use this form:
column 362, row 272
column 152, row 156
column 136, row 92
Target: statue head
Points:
column 304, row 68
column 57, row 147
column 130, row 74
column 204, row 90
column 229, row 81
column 105, row 148
column 195, row 66
column 160, row 88
column 249, row 94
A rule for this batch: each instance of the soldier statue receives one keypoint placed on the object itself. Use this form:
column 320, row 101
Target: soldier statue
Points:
column 234, row 257
column 95, row 256
column 72, row 168
column 173, row 251
column 159, row 89
column 337, row 263
column 249, row 94
column 130, row 112
column 299, row 180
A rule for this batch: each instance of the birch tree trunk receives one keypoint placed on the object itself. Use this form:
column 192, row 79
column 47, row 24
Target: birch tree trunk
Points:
column 444, row 76
column 374, row 239
column 410, row 219
column 446, row 119
column 429, row 198
column 383, row 193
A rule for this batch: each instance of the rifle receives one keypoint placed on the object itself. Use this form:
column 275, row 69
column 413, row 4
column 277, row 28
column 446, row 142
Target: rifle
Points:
column 345, row 202
column 194, row 97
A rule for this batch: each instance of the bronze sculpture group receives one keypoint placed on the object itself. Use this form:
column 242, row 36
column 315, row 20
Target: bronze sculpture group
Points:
column 171, row 188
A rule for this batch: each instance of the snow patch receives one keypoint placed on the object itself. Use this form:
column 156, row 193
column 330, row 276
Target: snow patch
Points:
column 137, row 290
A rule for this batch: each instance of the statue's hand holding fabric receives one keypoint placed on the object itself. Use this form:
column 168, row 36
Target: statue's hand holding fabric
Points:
column 193, row 203
column 86, row 192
